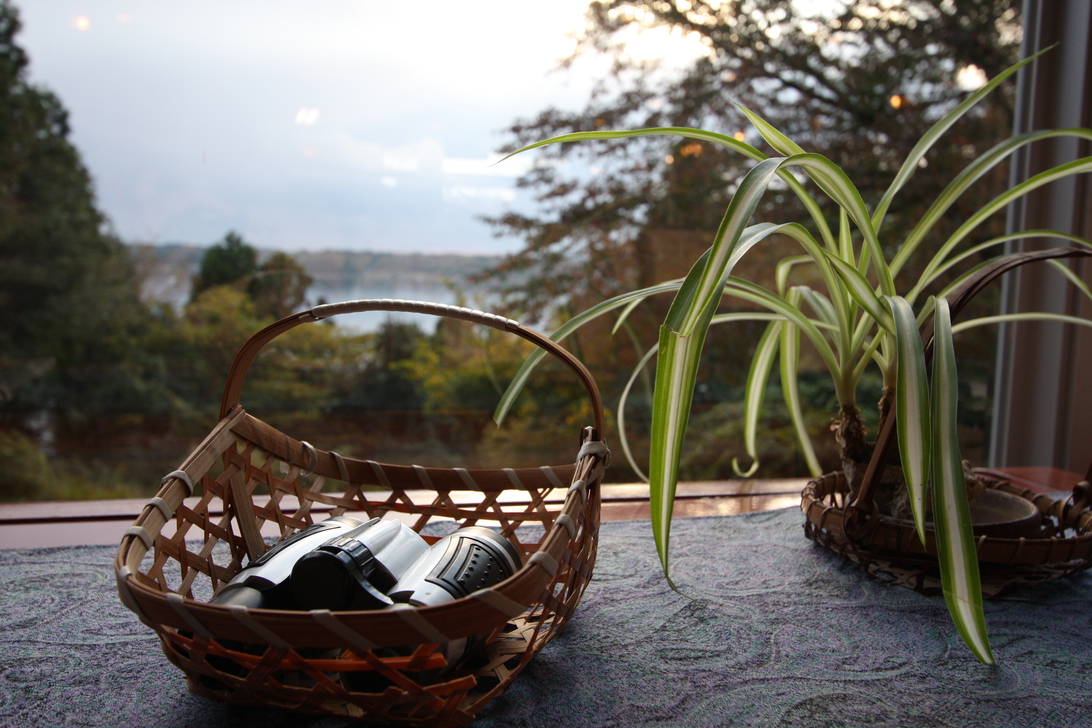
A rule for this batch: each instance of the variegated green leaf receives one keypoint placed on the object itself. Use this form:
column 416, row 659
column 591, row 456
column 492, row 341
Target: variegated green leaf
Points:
column 830, row 178
column 913, row 159
column 624, row 315
column 755, row 391
column 834, row 182
column 819, row 304
column 951, row 512
column 700, row 134
column 974, row 251
column 676, row 374
column 784, row 268
column 681, row 339
column 810, row 204
column 1071, row 276
column 722, row 318
column 862, row 292
column 845, row 237
column 520, row 380
column 912, row 413
column 982, row 164
column 621, row 416
column 1012, row 317
column 743, row 289
column 778, row 141
column 839, row 299
column 1069, row 169
column 701, row 291
column 790, row 361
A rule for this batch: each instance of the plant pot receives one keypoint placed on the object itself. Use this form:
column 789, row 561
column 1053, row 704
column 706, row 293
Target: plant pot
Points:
column 1001, row 514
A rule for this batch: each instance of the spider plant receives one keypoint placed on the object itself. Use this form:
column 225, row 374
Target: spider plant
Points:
column 860, row 319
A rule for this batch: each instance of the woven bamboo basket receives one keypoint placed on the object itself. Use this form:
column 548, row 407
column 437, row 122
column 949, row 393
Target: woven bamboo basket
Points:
column 1058, row 544
column 183, row 547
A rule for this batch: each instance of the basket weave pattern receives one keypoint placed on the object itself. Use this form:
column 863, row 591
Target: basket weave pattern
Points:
column 891, row 551
column 377, row 665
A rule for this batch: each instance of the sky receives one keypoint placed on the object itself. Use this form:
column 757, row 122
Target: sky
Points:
column 323, row 125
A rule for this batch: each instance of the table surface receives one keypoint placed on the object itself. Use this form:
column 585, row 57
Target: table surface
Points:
column 766, row 629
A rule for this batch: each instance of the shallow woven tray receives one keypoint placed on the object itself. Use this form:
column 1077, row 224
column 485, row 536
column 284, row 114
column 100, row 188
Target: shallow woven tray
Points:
column 180, row 550
column 890, row 549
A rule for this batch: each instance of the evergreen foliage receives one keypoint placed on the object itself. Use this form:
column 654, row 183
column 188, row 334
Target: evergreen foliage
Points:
column 225, row 263
column 69, row 305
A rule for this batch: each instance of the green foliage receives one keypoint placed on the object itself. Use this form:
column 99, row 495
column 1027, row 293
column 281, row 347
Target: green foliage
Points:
column 212, row 329
column 27, row 475
column 461, row 372
column 70, row 314
column 101, row 393
column 24, row 470
column 386, row 380
column 279, row 286
column 224, row 264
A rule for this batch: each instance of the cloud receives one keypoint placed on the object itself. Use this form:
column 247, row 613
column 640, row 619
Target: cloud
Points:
column 464, row 194
column 290, row 121
column 489, row 166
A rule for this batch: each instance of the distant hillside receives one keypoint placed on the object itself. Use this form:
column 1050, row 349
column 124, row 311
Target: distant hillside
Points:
column 339, row 275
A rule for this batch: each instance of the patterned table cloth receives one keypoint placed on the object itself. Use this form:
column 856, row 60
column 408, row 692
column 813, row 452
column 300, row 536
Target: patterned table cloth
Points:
column 768, row 630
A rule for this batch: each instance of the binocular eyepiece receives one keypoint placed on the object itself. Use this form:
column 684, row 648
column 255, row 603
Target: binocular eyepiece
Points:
column 356, row 569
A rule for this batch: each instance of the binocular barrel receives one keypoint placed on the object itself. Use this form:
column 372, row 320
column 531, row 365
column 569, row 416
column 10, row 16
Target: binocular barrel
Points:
column 343, row 563
column 457, row 565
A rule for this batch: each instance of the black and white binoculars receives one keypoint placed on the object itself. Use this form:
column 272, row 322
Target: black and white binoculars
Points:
column 343, row 563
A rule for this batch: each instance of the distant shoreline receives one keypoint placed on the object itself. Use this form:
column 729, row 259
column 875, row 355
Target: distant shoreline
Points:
column 166, row 271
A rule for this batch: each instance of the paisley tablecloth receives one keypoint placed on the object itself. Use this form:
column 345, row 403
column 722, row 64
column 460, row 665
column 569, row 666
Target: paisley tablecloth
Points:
column 769, row 630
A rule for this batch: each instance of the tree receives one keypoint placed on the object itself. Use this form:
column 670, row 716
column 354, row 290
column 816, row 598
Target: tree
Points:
column 69, row 301
column 224, row 263
column 277, row 287
column 860, row 80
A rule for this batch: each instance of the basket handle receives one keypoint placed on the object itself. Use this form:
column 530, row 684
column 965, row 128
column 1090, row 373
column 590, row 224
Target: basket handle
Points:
column 239, row 368
column 959, row 298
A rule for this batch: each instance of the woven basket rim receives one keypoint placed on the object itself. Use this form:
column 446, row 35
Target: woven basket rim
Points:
column 890, row 538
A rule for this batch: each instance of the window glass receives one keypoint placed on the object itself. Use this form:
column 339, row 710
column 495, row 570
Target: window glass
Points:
column 189, row 172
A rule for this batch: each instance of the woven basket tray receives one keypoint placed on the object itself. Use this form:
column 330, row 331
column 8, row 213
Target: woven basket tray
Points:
column 183, row 547
column 890, row 549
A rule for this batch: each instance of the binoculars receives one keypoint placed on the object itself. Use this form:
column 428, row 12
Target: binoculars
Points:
column 343, row 563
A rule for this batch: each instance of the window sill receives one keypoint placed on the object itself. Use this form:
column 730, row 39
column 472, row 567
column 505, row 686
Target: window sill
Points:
column 79, row 523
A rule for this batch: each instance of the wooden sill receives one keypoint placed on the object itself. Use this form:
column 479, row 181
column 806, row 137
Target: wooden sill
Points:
column 74, row 523
column 77, row 523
